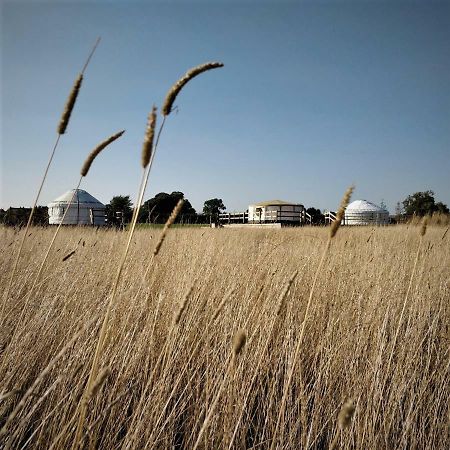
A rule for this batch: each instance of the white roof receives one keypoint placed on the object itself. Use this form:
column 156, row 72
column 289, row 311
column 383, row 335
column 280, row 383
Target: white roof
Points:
column 81, row 197
column 275, row 203
column 363, row 206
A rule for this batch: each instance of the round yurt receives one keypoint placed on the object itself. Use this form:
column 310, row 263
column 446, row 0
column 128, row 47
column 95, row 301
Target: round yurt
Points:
column 83, row 210
column 363, row 212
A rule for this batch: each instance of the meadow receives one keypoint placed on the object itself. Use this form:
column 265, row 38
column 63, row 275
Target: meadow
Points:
column 210, row 344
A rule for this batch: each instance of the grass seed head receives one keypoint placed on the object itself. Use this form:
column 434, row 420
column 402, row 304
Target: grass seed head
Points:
column 182, row 306
column 238, row 342
column 69, row 255
column 68, row 108
column 176, row 88
column 346, row 414
column 147, row 146
column 90, row 158
column 283, row 295
column 341, row 211
column 169, row 222
column 423, row 228
column 98, row 383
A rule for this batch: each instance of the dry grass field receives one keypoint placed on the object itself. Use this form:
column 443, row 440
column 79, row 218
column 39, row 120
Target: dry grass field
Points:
column 376, row 340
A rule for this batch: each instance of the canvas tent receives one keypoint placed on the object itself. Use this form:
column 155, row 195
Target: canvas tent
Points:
column 84, row 209
column 363, row 212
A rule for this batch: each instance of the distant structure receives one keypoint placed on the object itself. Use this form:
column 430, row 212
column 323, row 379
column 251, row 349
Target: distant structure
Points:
column 271, row 212
column 277, row 211
column 84, row 209
column 361, row 212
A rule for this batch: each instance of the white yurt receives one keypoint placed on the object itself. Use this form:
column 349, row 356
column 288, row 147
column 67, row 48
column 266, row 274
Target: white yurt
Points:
column 363, row 212
column 84, row 209
column 275, row 211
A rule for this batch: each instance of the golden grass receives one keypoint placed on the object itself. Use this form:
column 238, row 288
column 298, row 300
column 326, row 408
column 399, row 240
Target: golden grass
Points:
column 166, row 357
column 179, row 85
column 147, row 146
column 96, row 151
column 62, row 126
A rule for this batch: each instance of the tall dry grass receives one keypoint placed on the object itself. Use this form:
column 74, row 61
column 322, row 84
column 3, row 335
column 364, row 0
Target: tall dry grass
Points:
column 166, row 358
column 61, row 129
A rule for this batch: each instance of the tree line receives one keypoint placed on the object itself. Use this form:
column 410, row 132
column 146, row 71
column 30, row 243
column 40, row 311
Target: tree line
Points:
column 158, row 208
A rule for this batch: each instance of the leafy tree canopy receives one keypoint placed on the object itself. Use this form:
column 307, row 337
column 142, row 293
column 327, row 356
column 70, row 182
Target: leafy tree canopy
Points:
column 119, row 206
column 19, row 216
column 158, row 208
column 316, row 216
column 423, row 203
column 442, row 208
column 213, row 207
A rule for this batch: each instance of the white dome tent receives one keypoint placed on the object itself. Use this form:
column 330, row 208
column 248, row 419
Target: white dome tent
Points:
column 84, row 209
column 363, row 212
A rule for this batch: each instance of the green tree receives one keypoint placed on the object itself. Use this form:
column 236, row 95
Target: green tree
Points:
column 213, row 207
column 317, row 217
column 442, row 208
column 158, row 208
column 422, row 203
column 119, row 210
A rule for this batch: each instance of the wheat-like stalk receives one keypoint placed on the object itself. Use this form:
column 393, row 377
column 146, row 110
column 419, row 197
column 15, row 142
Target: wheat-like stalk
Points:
column 182, row 306
column 70, row 104
column 280, row 304
column 422, row 232
column 173, row 92
column 238, row 343
column 42, row 375
column 239, row 340
column 339, row 216
column 346, row 414
column 341, row 211
column 200, row 342
column 61, row 130
column 344, row 420
column 163, row 388
column 147, row 146
column 94, row 153
column 98, row 383
column 178, row 86
column 423, row 228
column 167, row 225
column 84, row 170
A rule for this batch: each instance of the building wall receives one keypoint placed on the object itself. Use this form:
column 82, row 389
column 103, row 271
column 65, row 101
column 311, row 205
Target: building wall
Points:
column 272, row 213
column 83, row 216
column 366, row 218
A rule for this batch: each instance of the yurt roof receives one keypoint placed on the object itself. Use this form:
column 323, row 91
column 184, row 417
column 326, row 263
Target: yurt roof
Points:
column 80, row 196
column 276, row 203
column 364, row 206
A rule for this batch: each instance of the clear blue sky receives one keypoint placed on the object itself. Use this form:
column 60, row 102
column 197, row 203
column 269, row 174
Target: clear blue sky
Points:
column 313, row 97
